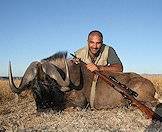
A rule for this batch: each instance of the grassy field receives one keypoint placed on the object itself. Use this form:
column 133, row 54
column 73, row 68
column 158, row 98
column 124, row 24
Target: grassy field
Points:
column 19, row 114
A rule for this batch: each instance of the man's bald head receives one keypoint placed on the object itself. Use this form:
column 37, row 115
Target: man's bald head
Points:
column 95, row 33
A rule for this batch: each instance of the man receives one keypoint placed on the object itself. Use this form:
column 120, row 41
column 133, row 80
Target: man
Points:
column 98, row 56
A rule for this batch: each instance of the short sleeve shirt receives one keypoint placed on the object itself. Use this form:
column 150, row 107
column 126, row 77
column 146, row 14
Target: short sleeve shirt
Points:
column 113, row 57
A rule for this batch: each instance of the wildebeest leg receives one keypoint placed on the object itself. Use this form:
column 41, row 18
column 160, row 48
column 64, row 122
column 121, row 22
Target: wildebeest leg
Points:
column 76, row 98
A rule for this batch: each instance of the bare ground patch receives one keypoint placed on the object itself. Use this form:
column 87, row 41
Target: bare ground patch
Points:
column 21, row 115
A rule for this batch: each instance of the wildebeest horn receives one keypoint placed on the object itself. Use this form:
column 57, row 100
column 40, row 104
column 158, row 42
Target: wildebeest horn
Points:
column 25, row 81
column 52, row 71
column 81, row 81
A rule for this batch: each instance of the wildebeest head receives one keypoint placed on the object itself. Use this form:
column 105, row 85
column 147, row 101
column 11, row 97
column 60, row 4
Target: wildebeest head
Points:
column 38, row 69
column 48, row 79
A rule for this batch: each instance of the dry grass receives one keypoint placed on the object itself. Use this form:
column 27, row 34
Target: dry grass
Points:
column 21, row 115
column 5, row 92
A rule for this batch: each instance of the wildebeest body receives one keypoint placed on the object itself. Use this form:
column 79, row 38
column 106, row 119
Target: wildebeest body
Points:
column 49, row 93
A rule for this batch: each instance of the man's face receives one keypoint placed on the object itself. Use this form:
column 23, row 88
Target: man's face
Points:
column 94, row 43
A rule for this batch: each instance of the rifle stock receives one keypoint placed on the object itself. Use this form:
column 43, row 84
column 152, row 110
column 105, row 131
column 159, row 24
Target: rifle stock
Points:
column 150, row 114
column 127, row 93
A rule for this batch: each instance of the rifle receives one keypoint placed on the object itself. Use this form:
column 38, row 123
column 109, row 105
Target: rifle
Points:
column 126, row 93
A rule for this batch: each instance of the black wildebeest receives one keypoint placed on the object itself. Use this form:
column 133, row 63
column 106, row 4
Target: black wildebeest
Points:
column 58, row 82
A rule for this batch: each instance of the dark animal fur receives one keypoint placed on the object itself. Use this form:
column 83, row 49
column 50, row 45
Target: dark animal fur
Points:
column 47, row 94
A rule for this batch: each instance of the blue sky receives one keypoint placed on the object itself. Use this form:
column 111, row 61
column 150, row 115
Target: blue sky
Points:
column 31, row 30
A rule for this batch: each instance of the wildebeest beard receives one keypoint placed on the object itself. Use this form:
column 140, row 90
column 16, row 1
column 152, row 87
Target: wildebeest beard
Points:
column 47, row 93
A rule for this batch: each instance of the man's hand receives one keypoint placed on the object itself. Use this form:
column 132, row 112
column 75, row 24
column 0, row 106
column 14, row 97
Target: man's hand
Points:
column 92, row 67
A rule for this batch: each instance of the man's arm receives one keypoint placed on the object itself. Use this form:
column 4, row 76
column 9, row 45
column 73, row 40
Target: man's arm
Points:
column 112, row 67
column 114, row 62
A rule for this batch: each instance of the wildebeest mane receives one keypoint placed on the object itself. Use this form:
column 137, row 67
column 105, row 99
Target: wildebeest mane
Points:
column 58, row 55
